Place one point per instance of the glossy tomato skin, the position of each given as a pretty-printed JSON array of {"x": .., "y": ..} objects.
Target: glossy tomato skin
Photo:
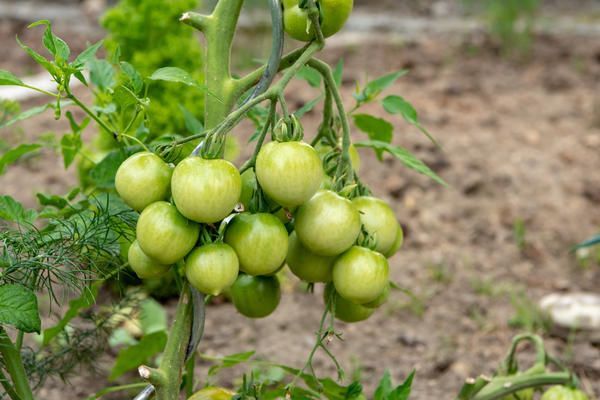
[
  {"x": 360, "y": 274},
  {"x": 379, "y": 220},
  {"x": 289, "y": 172},
  {"x": 260, "y": 241},
  {"x": 381, "y": 299},
  {"x": 308, "y": 266},
  {"x": 397, "y": 243},
  {"x": 335, "y": 13},
  {"x": 143, "y": 179},
  {"x": 213, "y": 393},
  {"x": 345, "y": 310},
  {"x": 327, "y": 224},
  {"x": 559, "y": 392},
  {"x": 212, "y": 268},
  {"x": 255, "y": 296},
  {"x": 143, "y": 266},
  {"x": 205, "y": 190},
  {"x": 164, "y": 234}
]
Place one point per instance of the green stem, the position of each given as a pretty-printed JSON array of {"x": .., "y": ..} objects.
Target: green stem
[
  {"x": 138, "y": 141},
  {"x": 113, "y": 389},
  {"x": 7, "y": 386},
  {"x": 189, "y": 372},
  {"x": 270, "y": 120},
  {"x": 88, "y": 111},
  {"x": 14, "y": 367},
  {"x": 500, "y": 387},
  {"x": 19, "y": 342},
  {"x": 42, "y": 91}
]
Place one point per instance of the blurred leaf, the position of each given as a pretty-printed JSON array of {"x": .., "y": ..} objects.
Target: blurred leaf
[
  {"x": 87, "y": 298},
  {"x": 6, "y": 78},
  {"x": 13, "y": 155},
  {"x": 153, "y": 317},
  {"x": 34, "y": 111},
  {"x": 337, "y": 73},
  {"x": 397, "y": 105},
  {"x": 191, "y": 122},
  {"x": 385, "y": 387},
  {"x": 403, "y": 155},
  {"x": 174, "y": 74},
  {"x": 310, "y": 75},
  {"x": 101, "y": 74},
  {"x": 19, "y": 308},
  {"x": 308, "y": 106},
  {"x": 587, "y": 243},
  {"x": 134, "y": 356},
  {"x": 40, "y": 59},
  {"x": 55, "y": 45},
  {"x": 376, "y": 86},
  {"x": 133, "y": 75},
  {"x": 403, "y": 391},
  {"x": 12, "y": 210},
  {"x": 86, "y": 55},
  {"x": 376, "y": 128}
]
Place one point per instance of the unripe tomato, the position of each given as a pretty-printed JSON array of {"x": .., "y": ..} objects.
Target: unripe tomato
[
  {"x": 164, "y": 234},
  {"x": 255, "y": 296},
  {"x": 381, "y": 299},
  {"x": 296, "y": 21},
  {"x": 308, "y": 266},
  {"x": 260, "y": 241},
  {"x": 205, "y": 190},
  {"x": 289, "y": 172},
  {"x": 379, "y": 220},
  {"x": 143, "y": 179},
  {"x": 360, "y": 274},
  {"x": 143, "y": 266},
  {"x": 397, "y": 243},
  {"x": 327, "y": 224},
  {"x": 213, "y": 393},
  {"x": 248, "y": 185},
  {"x": 212, "y": 268},
  {"x": 345, "y": 310},
  {"x": 563, "y": 393},
  {"x": 525, "y": 394}
]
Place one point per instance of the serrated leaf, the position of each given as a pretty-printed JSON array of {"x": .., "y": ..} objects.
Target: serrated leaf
[
  {"x": 87, "y": 299},
  {"x": 134, "y": 76},
  {"x": 86, "y": 55},
  {"x": 153, "y": 317},
  {"x": 376, "y": 128},
  {"x": 397, "y": 105},
  {"x": 337, "y": 73},
  {"x": 13, "y": 155},
  {"x": 6, "y": 78},
  {"x": 53, "y": 200},
  {"x": 51, "y": 68},
  {"x": 308, "y": 106},
  {"x": 19, "y": 308},
  {"x": 311, "y": 75},
  {"x": 191, "y": 122},
  {"x": 12, "y": 210},
  {"x": 404, "y": 156},
  {"x": 104, "y": 172},
  {"x": 403, "y": 391},
  {"x": 101, "y": 74},
  {"x": 134, "y": 356}
]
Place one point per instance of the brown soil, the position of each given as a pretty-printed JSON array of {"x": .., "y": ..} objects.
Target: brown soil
[{"x": 521, "y": 143}]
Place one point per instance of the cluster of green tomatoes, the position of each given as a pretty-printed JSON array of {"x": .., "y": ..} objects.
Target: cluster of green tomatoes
[{"x": 295, "y": 220}]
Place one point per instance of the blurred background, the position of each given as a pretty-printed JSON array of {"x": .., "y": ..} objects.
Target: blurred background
[{"x": 510, "y": 88}]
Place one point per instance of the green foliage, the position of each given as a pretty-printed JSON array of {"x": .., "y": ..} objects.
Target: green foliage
[
  {"x": 519, "y": 234},
  {"x": 528, "y": 315},
  {"x": 148, "y": 35},
  {"x": 18, "y": 308},
  {"x": 134, "y": 356}
]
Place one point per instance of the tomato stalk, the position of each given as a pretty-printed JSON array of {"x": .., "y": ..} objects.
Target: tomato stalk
[
  {"x": 268, "y": 123},
  {"x": 14, "y": 367}
]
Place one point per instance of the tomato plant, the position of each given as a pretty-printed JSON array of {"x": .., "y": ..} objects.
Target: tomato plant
[{"x": 226, "y": 227}]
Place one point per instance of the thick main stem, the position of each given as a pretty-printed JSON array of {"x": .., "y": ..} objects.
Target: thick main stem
[{"x": 14, "y": 367}]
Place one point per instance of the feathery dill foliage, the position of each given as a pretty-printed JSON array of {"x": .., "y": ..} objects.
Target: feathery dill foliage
[{"x": 77, "y": 246}]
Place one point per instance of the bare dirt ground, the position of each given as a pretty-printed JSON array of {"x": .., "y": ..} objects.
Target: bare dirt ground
[{"x": 521, "y": 143}]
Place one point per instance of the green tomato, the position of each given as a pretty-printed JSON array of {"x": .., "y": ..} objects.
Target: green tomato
[
  {"x": 143, "y": 266},
  {"x": 379, "y": 221},
  {"x": 308, "y": 266},
  {"x": 381, "y": 299},
  {"x": 212, "y": 268},
  {"x": 260, "y": 241},
  {"x": 525, "y": 394},
  {"x": 255, "y": 296},
  {"x": 248, "y": 185},
  {"x": 213, "y": 393},
  {"x": 397, "y": 243},
  {"x": 205, "y": 190},
  {"x": 345, "y": 310},
  {"x": 563, "y": 393},
  {"x": 164, "y": 234},
  {"x": 327, "y": 224},
  {"x": 289, "y": 172},
  {"x": 297, "y": 23},
  {"x": 143, "y": 179},
  {"x": 360, "y": 274}
]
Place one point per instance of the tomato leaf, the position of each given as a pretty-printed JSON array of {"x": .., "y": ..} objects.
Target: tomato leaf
[
  {"x": 55, "y": 45},
  {"x": 13, "y": 155},
  {"x": 86, "y": 55},
  {"x": 385, "y": 387},
  {"x": 337, "y": 72},
  {"x": 191, "y": 122},
  {"x": 376, "y": 86},
  {"x": 101, "y": 74},
  {"x": 12, "y": 210},
  {"x": 403, "y": 391},
  {"x": 19, "y": 308},
  {"x": 34, "y": 111},
  {"x": 153, "y": 317},
  {"x": 307, "y": 107},
  {"x": 403, "y": 155},
  {"x": 6, "y": 78},
  {"x": 87, "y": 298},
  {"x": 40, "y": 59},
  {"x": 134, "y": 356},
  {"x": 376, "y": 128},
  {"x": 397, "y": 105},
  {"x": 133, "y": 75},
  {"x": 310, "y": 75}
]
